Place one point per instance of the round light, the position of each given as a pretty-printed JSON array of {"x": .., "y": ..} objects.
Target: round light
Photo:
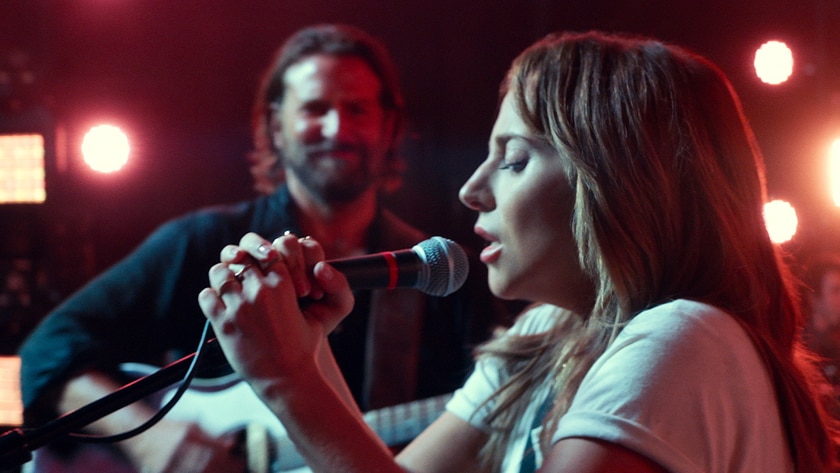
[
  {"x": 105, "y": 148},
  {"x": 773, "y": 62},
  {"x": 781, "y": 221}
]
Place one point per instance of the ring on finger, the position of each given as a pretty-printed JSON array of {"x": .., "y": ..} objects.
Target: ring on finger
[
  {"x": 240, "y": 275},
  {"x": 225, "y": 286}
]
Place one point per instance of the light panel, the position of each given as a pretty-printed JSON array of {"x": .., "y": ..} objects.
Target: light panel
[
  {"x": 22, "y": 169},
  {"x": 11, "y": 407}
]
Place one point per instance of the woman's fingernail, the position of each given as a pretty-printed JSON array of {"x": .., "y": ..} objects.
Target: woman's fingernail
[
  {"x": 303, "y": 288},
  {"x": 327, "y": 272}
]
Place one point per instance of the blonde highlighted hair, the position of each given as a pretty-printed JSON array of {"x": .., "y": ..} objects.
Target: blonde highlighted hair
[{"x": 670, "y": 189}]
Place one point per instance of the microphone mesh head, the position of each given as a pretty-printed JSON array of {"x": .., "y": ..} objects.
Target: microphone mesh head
[{"x": 447, "y": 266}]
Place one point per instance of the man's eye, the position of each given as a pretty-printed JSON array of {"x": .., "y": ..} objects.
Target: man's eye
[
  {"x": 314, "y": 109},
  {"x": 358, "y": 109}
]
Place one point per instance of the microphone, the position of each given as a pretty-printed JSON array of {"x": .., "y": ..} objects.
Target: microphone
[{"x": 437, "y": 266}]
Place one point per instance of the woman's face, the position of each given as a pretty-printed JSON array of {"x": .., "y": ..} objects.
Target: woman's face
[{"x": 525, "y": 204}]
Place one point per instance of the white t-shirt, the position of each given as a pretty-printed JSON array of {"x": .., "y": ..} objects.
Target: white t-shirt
[{"x": 682, "y": 385}]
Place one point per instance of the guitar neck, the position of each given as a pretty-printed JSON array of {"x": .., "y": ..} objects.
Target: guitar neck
[{"x": 397, "y": 425}]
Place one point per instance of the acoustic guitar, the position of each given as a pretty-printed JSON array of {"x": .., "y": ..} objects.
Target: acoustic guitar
[{"x": 228, "y": 405}]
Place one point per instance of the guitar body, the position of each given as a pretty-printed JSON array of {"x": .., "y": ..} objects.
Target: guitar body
[
  {"x": 228, "y": 404},
  {"x": 79, "y": 459}
]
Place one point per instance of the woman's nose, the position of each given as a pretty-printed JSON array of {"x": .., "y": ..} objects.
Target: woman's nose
[{"x": 475, "y": 193}]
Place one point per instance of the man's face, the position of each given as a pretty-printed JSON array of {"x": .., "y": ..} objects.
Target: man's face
[{"x": 333, "y": 131}]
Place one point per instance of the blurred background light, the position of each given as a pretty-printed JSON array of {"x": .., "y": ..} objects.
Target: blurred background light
[
  {"x": 773, "y": 62},
  {"x": 834, "y": 170},
  {"x": 781, "y": 221},
  {"x": 22, "y": 168},
  {"x": 105, "y": 148}
]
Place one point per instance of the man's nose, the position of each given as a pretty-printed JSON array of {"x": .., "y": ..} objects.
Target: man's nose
[{"x": 332, "y": 123}]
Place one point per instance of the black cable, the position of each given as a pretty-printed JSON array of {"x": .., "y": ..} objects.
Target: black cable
[{"x": 185, "y": 384}]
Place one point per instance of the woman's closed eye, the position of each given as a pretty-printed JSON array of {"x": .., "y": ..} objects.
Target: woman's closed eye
[{"x": 515, "y": 164}]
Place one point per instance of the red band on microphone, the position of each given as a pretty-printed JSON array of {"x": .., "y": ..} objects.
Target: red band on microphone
[{"x": 393, "y": 270}]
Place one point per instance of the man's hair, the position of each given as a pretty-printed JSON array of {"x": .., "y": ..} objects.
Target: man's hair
[{"x": 334, "y": 40}]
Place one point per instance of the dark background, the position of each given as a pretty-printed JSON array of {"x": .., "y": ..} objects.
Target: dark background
[{"x": 179, "y": 76}]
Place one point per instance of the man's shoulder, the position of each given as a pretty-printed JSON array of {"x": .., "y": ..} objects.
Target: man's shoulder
[
  {"x": 214, "y": 216},
  {"x": 225, "y": 222}
]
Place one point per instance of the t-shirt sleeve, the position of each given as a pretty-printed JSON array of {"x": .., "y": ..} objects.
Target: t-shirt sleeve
[
  {"x": 468, "y": 402},
  {"x": 675, "y": 386}
]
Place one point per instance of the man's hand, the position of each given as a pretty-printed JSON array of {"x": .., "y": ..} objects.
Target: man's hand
[{"x": 183, "y": 447}]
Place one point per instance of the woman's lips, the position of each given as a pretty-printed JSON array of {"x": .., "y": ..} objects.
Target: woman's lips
[{"x": 491, "y": 253}]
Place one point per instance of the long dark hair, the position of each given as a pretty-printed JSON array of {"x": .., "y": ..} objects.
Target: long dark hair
[{"x": 670, "y": 190}]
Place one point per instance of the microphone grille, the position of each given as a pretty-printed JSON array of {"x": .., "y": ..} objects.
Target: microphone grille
[{"x": 447, "y": 266}]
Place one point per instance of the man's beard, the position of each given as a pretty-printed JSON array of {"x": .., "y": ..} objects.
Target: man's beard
[{"x": 328, "y": 178}]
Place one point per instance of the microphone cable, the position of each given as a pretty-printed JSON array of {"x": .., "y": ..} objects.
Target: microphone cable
[{"x": 185, "y": 384}]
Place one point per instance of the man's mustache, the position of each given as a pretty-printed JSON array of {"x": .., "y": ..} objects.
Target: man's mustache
[{"x": 334, "y": 148}]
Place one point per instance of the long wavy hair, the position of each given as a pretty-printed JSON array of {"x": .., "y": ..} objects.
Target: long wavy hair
[
  {"x": 670, "y": 189},
  {"x": 335, "y": 40}
]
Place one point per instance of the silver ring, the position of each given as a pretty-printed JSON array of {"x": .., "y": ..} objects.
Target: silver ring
[
  {"x": 224, "y": 286},
  {"x": 240, "y": 275}
]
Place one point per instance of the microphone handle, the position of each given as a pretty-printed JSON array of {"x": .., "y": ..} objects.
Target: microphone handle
[{"x": 386, "y": 270}]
